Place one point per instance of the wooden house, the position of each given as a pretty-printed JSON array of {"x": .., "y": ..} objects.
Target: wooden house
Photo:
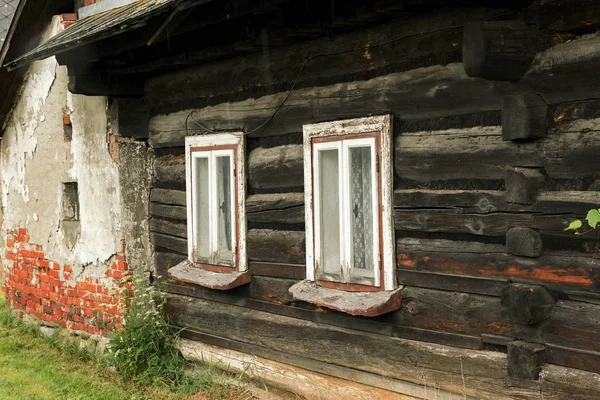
[{"x": 364, "y": 199}]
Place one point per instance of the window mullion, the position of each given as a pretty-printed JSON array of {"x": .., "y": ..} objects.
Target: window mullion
[
  {"x": 194, "y": 203},
  {"x": 375, "y": 210},
  {"x": 346, "y": 209},
  {"x": 212, "y": 170}
]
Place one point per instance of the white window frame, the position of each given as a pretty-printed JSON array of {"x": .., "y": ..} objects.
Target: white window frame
[
  {"x": 383, "y": 212},
  {"x": 238, "y": 195}
]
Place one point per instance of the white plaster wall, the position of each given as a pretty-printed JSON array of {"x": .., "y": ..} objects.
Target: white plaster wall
[{"x": 36, "y": 159}]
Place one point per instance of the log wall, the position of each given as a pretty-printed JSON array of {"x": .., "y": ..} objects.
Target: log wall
[{"x": 455, "y": 201}]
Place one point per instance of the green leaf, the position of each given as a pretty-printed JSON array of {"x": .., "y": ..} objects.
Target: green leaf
[
  {"x": 593, "y": 218},
  {"x": 573, "y": 226}
]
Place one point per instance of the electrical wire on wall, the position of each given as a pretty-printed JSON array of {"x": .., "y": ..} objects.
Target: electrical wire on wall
[{"x": 309, "y": 59}]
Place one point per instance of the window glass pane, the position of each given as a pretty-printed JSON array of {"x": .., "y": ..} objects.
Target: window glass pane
[
  {"x": 224, "y": 209},
  {"x": 201, "y": 206},
  {"x": 329, "y": 211},
  {"x": 361, "y": 210}
]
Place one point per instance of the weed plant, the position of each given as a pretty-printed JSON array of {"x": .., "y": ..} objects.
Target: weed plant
[{"x": 145, "y": 349}]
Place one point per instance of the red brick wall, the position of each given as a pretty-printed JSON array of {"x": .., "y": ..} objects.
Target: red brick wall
[{"x": 48, "y": 290}]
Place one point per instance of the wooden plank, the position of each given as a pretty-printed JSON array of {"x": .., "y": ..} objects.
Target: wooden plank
[
  {"x": 450, "y": 92},
  {"x": 241, "y": 358},
  {"x": 168, "y": 227},
  {"x": 457, "y": 283},
  {"x": 168, "y": 211},
  {"x": 176, "y": 244},
  {"x": 168, "y": 196},
  {"x": 279, "y": 208},
  {"x": 439, "y": 366},
  {"x": 559, "y": 270},
  {"x": 278, "y": 270},
  {"x": 269, "y": 245}
]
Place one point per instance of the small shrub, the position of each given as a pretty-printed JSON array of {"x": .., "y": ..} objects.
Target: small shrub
[{"x": 145, "y": 350}]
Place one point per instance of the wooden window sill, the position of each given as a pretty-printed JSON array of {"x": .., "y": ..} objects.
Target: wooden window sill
[
  {"x": 365, "y": 304},
  {"x": 186, "y": 272}
]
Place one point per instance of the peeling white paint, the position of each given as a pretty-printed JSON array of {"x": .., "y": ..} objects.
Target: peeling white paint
[{"x": 36, "y": 160}]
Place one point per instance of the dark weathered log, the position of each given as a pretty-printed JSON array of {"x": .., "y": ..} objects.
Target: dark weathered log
[
  {"x": 329, "y": 370},
  {"x": 526, "y": 304},
  {"x": 523, "y": 184},
  {"x": 168, "y": 227},
  {"x": 280, "y": 208},
  {"x": 450, "y": 92},
  {"x": 276, "y": 246},
  {"x": 493, "y": 224},
  {"x": 569, "y": 383},
  {"x": 524, "y": 242},
  {"x": 101, "y": 84},
  {"x": 555, "y": 269},
  {"x": 499, "y": 50},
  {"x": 498, "y": 340},
  {"x": 379, "y": 325},
  {"x": 580, "y": 359},
  {"x": 372, "y": 353},
  {"x": 176, "y": 244},
  {"x": 490, "y": 201},
  {"x": 566, "y": 71},
  {"x": 287, "y": 161},
  {"x": 164, "y": 260},
  {"x": 243, "y": 77},
  {"x": 169, "y": 172},
  {"x": 570, "y": 324},
  {"x": 566, "y": 15},
  {"x": 129, "y": 117},
  {"x": 523, "y": 116},
  {"x": 447, "y": 311},
  {"x": 525, "y": 360},
  {"x": 457, "y": 283},
  {"x": 480, "y": 153},
  {"x": 168, "y": 211},
  {"x": 167, "y": 196},
  {"x": 274, "y": 290},
  {"x": 290, "y": 271}
]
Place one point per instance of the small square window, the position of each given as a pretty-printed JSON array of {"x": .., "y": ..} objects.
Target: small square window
[{"x": 348, "y": 190}]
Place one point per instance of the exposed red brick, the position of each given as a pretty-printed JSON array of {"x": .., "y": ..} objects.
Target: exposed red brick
[{"x": 46, "y": 289}]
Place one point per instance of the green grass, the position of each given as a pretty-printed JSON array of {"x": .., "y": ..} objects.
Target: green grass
[{"x": 33, "y": 366}]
